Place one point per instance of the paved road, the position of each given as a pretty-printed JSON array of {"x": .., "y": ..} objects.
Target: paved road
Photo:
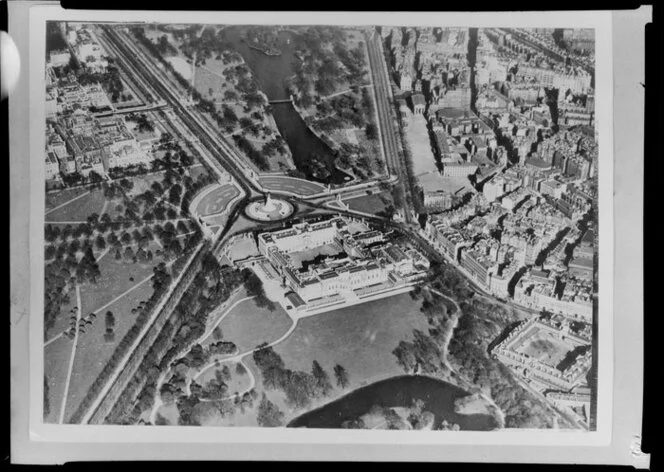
[{"x": 386, "y": 122}]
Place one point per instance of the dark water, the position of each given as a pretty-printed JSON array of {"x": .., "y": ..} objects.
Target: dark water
[
  {"x": 438, "y": 397},
  {"x": 272, "y": 74}
]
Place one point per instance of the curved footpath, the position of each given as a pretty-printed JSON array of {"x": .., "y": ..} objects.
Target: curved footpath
[{"x": 156, "y": 404}]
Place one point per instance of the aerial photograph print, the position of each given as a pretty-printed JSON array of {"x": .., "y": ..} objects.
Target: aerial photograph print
[{"x": 292, "y": 226}]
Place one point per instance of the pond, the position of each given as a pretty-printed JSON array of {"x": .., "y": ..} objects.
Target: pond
[
  {"x": 272, "y": 74},
  {"x": 438, "y": 397}
]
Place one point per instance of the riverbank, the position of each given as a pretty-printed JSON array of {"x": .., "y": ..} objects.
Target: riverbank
[
  {"x": 473, "y": 404},
  {"x": 401, "y": 394}
]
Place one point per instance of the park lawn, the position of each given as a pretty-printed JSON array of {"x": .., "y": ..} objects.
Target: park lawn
[
  {"x": 369, "y": 203},
  {"x": 361, "y": 338},
  {"x": 197, "y": 170},
  {"x": 248, "y": 325},
  {"x": 53, "y": 199},
  {"x": 56, "y": 362},
  {"x": 115, "y": 279},
  {"x": 80, "y": 209},
  {"x": 206, "y": 81},
  {"x": 215, "y": 201},
  {"x": 92, "y": 352}
]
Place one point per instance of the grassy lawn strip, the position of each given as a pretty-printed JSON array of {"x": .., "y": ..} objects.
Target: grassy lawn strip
[
  {"x": 57, "y": 198},
  {"x": 80, "y": 209},
  {"x": 249, "y": 325},
  {"x": 370, "y": 203},
  {"x": 56, "y": 357},
  {"x": 93, "y": 352},
  {"x": 115, "y": 279}
]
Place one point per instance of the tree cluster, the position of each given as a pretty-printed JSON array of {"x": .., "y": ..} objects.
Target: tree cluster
[
  {"x": 256, "y": 156},
  {"x": 300, "y": 387},
  {"x": 254, "y": 287}
]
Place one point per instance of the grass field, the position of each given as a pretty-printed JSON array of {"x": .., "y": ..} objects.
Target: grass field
[
  {"x": 249, "y": 325},
  {"x": 92, "y": 352},
  {"x": 217, "y": 200},
  {"x": 369, "y": 203},
  {"x": 207, "y": 80},
  {"x": 55, "y": 199},
  {"x": 361, "y": 338},
  {"x": 197, "y": 170},
  {"x": 56, "y": 361},
  {"x": 79, "y": 209},
  {"x": 115, "y": 279}
]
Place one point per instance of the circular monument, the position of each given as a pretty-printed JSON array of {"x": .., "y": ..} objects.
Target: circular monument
[{"x": 269, "y": 209}]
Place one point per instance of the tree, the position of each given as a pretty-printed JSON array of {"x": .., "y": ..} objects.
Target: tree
[
  {"x": 100, "y": 242},
  {"x": 341, "y": 375},
  {"x": 125, "y": 238},
  {"x": 371, "y": 131},
  {"x": 141, "y": 255},
  {"x": 109, "y": 320},
  {"x": 226, "y": 373},
  {"x": 49, "y": 252},
  {"x": 174, "y": 194},
  {"x": 158, "y": 189},
  {"x": 129, "y": 254},
  {"x": 415, "y": 416},
  {"x": 171, "y": 213},
  {"x": 269, "y": 414},
  {"x": 322, "y": 380}
]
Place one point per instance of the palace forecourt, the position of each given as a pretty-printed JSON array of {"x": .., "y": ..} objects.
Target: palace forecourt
[{"x": 319, "y": 266}]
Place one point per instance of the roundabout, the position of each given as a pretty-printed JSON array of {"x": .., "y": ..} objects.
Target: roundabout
[{"x": 269, "y": 209}]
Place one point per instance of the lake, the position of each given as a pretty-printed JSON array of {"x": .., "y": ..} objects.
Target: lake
[
  {"x": 272, "y": 74},
  {"x": 438, "y": 397}
]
